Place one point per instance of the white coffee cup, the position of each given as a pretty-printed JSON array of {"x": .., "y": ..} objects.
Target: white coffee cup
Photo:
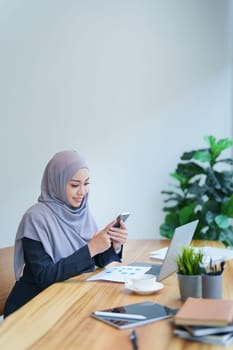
[{"x": 142, "y": 282}]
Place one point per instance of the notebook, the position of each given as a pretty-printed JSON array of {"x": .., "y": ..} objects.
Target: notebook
[
  {"x": 220, "y": 339},
  {"x": 201, "y": 311},
  {"x": 182, "y": 237},
  {"x": 207, "y": 330},
  {"x": 128, "y": 316}
]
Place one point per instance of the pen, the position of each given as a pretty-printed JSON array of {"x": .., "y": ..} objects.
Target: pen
[
  {"x": 119, "y": 315},
  {"x": 216, "y": 269},
  {"x": 133, "y": 338}
]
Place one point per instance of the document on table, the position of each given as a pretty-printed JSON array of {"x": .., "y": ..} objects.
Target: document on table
[
  {"x": 216, "y": 254},
  {"x": 119, "y": 273},
  {"x": 159, "y": 254}
]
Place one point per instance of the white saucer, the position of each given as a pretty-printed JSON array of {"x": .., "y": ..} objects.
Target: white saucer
[{"x": 156, "y": 287}]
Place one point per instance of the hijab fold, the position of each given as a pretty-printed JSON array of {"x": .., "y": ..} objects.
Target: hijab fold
[{"x": 60, "y": 228}]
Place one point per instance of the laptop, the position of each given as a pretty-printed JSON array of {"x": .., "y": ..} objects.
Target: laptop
[{"x": 182, "y": 237}]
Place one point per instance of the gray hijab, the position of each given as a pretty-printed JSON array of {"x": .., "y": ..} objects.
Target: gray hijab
[{"x": 61, "y": 229}]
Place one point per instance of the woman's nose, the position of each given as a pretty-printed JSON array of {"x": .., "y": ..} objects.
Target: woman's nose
[{"x": 81, "y": 190}]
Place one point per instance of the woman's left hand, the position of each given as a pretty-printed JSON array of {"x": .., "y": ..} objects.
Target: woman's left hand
[{"x": 118, "y": 235}]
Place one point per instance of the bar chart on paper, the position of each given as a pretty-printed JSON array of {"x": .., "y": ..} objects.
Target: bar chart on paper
[{"x": 119, "y": 273}]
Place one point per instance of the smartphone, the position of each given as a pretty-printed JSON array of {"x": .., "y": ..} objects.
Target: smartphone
[{"x": 123, "y": 217}]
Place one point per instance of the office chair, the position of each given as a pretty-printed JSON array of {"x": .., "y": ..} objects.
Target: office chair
[{"x": 7, "y": 277}]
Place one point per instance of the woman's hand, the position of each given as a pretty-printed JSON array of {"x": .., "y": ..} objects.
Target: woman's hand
[
  {"x": 118, "y": 235},
  {"x": 101, "y": 241}
]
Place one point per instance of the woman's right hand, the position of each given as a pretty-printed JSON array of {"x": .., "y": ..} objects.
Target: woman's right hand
[{"x": 101, "y": 241}]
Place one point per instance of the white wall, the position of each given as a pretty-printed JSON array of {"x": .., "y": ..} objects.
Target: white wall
[{"x": 129, "y": 83}]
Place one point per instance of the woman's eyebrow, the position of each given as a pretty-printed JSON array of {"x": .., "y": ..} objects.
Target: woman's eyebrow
[{"x": 76, "y": 180}]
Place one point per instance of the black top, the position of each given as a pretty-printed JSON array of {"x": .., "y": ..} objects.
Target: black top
[{"x": 40, "y": 271}]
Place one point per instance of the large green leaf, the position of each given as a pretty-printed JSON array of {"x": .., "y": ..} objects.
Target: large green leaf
[
  {"x": 218, "y": 146},
  {"x": 222, "y": 221},
  {"x": 190, "y": 155},
  {"x": 168, "y": 227},
  {"x": 189, "y": 170},
  {"x": 187, "y": 155},
  {"x": 227, "y": 207},
  {"x": 186, "y": 214},
  {"x": 166, "y": 231},
  {"x": 212, "y": 206},
  {"x": 226, "y": 236},
  {"x": 202, "y": 156},
  {"x": 180, "y": 178},
  {"x": 172, "y": 219}
]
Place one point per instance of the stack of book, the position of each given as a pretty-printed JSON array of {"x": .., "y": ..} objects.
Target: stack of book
[{"x": 205, "y": 321}]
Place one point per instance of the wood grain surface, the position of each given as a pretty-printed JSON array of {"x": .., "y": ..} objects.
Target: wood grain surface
[{"x": 59, "y": 318}]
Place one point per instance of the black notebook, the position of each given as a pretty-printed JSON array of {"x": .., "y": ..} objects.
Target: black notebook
[{"x": 132, "y": 315}]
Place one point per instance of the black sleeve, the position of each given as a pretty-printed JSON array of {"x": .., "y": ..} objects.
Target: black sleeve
[
  {"x": 107, "y": 257},
  {"x": 46, "y": 272}
]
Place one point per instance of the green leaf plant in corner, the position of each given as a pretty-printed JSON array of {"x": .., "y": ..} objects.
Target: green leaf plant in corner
[{"x": 203, "y": 191}]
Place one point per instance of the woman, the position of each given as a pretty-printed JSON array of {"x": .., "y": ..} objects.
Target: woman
[{"x": 57, "y": 237}]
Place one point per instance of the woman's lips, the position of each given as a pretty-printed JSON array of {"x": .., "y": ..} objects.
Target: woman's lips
[{"x": 78, "y": 200}]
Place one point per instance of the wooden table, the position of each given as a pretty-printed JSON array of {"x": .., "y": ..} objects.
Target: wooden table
[{"x": 59, "y": 318}]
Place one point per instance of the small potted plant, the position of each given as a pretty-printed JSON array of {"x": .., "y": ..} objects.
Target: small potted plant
[{"x": 189, "y": 270}]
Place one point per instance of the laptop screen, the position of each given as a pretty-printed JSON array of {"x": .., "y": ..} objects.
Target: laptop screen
[{"x": 182, "y": 237}]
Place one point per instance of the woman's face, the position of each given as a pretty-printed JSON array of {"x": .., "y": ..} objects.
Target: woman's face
[{"x": 77, "y": 187}]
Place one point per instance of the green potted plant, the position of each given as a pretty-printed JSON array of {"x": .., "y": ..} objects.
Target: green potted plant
[
  {"x": 189, "y": 270},
  {"x": 203, "y": 191}
]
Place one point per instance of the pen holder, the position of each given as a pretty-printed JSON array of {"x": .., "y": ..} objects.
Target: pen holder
[{"x": 212, "y": 286}]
